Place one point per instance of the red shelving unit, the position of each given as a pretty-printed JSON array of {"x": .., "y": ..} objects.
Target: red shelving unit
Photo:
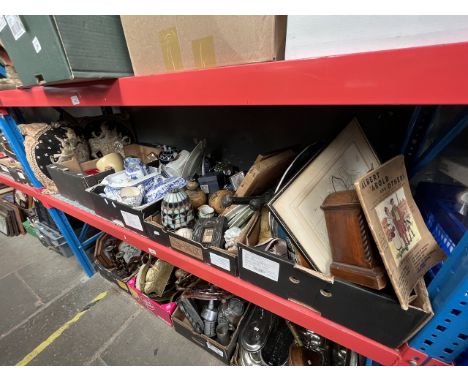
[
  {"x": 288, "y": 309},
  {"x": 423, "y": 75},
  {"x": 413, "y": 76}
]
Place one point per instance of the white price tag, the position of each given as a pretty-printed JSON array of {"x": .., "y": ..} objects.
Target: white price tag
[
  {"x": 260, "y": 265},
  {"x": 220, "y": 261},
  {"x": 21, "y": 175},
  {"x": 132, "y": 220},
  {"x": 16, "y": 26},
  {"x": 36, "y": 44},
  {"x": 214, "y": 348},
  {"x": 152, "y": 251},
  {"x": 75, "y": 100},
  {"x": 3, "y": 168},
  {"x": 3, "y": 23}
]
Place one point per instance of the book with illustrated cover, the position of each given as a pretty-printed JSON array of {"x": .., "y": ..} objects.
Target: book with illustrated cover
[{"x": 407, "y": 247}]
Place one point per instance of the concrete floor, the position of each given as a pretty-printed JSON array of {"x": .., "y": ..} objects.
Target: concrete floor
[{"x": 40, "y": 291}]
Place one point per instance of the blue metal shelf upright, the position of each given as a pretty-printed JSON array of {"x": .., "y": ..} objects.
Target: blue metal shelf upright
[{"x": 16, "y": 141}]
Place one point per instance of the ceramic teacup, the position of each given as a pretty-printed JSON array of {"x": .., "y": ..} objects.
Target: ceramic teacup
[
  {"x": 131, "y": 196},
  {"x": 205, "y": 211}
]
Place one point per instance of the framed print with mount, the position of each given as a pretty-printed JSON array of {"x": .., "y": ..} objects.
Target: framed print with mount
[{"x": 297, "y": 204}]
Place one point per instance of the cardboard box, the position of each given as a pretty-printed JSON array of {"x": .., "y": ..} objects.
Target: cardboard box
[
  {"x": 224, "y": 353},
  {"x": 163, "y": 311},
  {"x": 112, "y": 277},
  {"x": 319, "y": 36},
  {"x": 216, "y": 257},
  {"x": 170, "y": 43},
  {"x": 13, "y": 168},
  {"x": 130, "y": 217},
  {"x": 72, "y": 181},
  {"x": 156, "y": 231},
  {"x": 376, "y": 315},
  {"x": 51, "y": 49},
  {"x": 221, "y": 259}
]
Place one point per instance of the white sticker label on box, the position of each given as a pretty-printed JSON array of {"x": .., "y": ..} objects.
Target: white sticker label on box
[
  {"x": 16, "y": 26},
  {"x": 36, "y": 44},
  {"x": 215, "y": 349},
  {"x": 260, "y": 265},
  {"x": 75, "y": 100},
  {"x": 220, "y": 261},
  {"x": 132, "y": 220},
  {"x": 3, "y": 168},
  {"x": 156, "y": 233},
  {"x": 21, "y": 175},
  {"x": 3, "y": 23}
]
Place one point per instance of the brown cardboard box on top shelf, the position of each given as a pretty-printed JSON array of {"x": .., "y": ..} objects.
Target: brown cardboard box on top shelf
[{"x": 160, "y": 44}]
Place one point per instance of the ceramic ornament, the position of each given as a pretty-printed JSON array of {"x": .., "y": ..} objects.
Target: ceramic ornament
[
  {"x": 135, "y": 168},
  {"x": 176, "y": 210},
  {"x": 107, "y": 141}
]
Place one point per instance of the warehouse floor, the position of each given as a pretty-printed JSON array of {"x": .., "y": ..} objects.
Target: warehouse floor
[{"x": 41, "y": 297}]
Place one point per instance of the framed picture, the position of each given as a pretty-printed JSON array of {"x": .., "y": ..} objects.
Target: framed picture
[{"x": 297, "y": 204}]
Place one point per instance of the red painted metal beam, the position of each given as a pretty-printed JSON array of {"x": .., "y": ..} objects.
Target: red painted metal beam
[
  {"x": 290, "y": 310},
  {"x": 423, "y": 75},
  {"x": 27, "y": 189}
]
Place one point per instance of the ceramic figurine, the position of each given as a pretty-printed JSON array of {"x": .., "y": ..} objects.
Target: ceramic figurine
[
  {"x": 176, "y": 209},
  {"x": 107, "y": 141},
  {"x": 196, "y": 194}
]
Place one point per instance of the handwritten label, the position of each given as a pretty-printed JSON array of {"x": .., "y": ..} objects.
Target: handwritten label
[
  {"x": 220, "y": 261},
  {"x": 16, "y": 26},
  {"x": 36, "y": 44},
  {"x": 214, "y": 348},
  {"x": 260, "y": 265},
  {"x": 132, "y": 220}
]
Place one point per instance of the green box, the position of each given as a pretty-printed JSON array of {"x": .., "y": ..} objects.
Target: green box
[{"x": 54, "y": 49}]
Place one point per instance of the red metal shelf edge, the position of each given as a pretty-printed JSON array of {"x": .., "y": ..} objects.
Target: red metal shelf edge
[
  {"x": 422, "y": 75},
  {"x": 290, "y": 310}
]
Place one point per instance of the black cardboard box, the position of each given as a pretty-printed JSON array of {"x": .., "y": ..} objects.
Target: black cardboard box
[
  {"x": 112, "y": 277},
  {"x": 72, "y": 181},
  {"x": 224, "y": 353},
  {"x": 155, "y": 230},
  {"x": 13, "y": 168},
  {"x": 187, "y": 246},
  {"x": 221, "y": 259},
  {"x": 19, "y": 175},
  {"x": 131, "y": 217},
  {"x": 373, "y": 314}
]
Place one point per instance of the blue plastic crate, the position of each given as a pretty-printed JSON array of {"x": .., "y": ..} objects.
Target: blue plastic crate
[
  {"x": 439, "y": 204},
  {"x": 445, "y": 336}
]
